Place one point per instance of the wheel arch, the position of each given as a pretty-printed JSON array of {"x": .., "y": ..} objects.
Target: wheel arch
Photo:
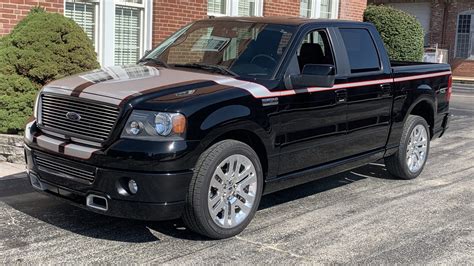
[
  {"x": 424, "y": 107},
  {"x": 250, "y": 138}
]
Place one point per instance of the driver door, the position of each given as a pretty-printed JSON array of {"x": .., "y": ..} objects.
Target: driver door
[{"x": 313, "y": 123}]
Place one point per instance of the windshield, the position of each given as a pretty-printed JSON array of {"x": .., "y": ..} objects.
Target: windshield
[{"x": 245, "y": 48}]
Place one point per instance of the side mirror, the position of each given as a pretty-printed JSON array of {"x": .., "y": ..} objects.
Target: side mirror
[{"x": 314, "y": 75}]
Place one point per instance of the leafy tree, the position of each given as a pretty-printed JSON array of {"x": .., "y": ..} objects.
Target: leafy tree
[
  {"x": 41, "y": 48},
  {"x": 400, "y": 31}
]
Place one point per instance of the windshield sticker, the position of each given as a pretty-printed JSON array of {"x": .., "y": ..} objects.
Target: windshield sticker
[{"x": 210, "y": 44}]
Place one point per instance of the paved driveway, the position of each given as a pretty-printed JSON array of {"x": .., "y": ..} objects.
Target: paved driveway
[{"x": 360, "y": 216}]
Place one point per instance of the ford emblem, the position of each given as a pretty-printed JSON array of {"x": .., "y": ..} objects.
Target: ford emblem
[{"x": 73, "y": 116}]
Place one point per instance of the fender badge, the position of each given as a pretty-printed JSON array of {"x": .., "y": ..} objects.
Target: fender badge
[{"x": 270, "y": 101}]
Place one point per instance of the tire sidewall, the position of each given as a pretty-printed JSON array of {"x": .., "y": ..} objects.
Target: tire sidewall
[
  {"x": 417, "y": 120},
  {"x": 236, "y": 148}
]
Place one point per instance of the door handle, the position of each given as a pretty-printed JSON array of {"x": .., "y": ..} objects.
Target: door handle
[
  {"x": 341, "y": 95},
  {"x": 386, "y": 89}
]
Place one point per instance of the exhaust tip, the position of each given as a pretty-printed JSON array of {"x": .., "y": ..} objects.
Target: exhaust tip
[{"x": 97, "y": 202}]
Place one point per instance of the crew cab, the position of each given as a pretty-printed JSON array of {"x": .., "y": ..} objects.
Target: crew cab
[{"x": 228, "y": 109}]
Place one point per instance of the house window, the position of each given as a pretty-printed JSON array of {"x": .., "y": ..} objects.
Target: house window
[
  {"x": 119, "y": 29},
  {"x": 85, "y": 14},
  {"x": 319, "y": 8},
  {"x": 465, "y": 35},
  {"x": 128, "y": 25},
  {"x": 217, "y": 7},
  {"x": 234, "y": 8}
]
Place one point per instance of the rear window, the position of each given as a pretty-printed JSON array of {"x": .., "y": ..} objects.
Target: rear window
[{"x": 361, "y": 50}]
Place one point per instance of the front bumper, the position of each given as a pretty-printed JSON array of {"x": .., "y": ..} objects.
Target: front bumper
[{"x": 160, "y": 195}]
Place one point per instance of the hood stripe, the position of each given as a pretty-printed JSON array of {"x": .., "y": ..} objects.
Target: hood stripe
[{"x": 77, "y": 90}]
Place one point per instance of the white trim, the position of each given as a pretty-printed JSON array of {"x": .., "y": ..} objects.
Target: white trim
[{"x": 105, "y": 27}]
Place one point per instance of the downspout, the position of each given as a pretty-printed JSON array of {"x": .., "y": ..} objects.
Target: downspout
[{"x": 445, "y": 23}]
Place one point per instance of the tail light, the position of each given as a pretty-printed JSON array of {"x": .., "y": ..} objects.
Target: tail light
[{"x": 450, "y": 88}]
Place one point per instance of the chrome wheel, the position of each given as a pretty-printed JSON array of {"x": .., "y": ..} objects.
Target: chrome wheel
[
  {"x": 232, "y": 191},
  {"x": 416, "y": 148}
]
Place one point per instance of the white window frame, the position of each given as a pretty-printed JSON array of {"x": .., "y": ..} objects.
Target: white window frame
[
  {"x": 105, "y": 27},
  {"x": 232, "y": 9},
  {"x": 96, "y": 19},
  {"x": 471, "y": 33},
  {"x": 316, "y": 9}
]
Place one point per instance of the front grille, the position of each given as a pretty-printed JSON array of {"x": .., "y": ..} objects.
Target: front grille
[
  {"x": 96, "y": 119},
  {"x": 65, "y": 168}
]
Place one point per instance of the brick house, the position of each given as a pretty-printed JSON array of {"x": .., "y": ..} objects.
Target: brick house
[
  {"x": 448, "y": 24},
  {"x": 122, "y": 30}
]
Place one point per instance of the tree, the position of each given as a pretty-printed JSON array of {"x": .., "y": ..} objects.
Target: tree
[
  {"x": 41, "y": 48},
  {"x": 400, "y": 31}
]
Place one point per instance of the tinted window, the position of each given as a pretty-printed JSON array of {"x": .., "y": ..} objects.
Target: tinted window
[
  {"x": 361, "y": 50},
  {"x": 315, "y": 49}
]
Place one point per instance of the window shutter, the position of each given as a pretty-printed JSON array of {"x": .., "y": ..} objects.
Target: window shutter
[
  {"x": 127, "y": 34},
  {"x": 84, "y": 15}
]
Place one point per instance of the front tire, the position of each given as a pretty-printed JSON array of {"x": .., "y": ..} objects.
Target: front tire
[
  {"x": 225, "y": 190},
  {"x": 408, "y": 162}
]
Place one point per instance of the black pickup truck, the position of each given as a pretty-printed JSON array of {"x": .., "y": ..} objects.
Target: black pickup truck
[{"x": 228, "y": 109}]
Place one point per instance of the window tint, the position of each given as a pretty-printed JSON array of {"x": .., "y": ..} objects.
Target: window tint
[
  {"x": 315, "y": 49},
  {"x": 361, "y": 50}
]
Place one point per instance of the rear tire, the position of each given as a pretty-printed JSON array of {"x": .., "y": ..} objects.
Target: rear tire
[
  {"x": 222, "y": 198},
  {"x": 408, "y": 162}
]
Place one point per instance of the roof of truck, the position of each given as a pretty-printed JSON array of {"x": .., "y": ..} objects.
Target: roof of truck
[{"x": 296, "y": 21}]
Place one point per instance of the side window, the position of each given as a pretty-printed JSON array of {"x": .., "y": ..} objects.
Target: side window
[
  {"x": 315, "y": 49},
  {"x": 361, "y": 50}
]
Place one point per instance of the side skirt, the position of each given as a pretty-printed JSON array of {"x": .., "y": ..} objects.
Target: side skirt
[{"x": 321, "y": 171}]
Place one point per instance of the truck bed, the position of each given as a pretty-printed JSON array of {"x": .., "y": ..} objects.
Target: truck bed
[{"x": 405, "y": 68}]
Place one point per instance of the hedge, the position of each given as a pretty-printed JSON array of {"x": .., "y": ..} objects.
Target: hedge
[
  {"x": 401, "y": 32},
  {"x": 41, "y": 48}
]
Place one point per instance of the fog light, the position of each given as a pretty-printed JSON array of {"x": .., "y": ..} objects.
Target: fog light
[{"x": 132, "y": 186}]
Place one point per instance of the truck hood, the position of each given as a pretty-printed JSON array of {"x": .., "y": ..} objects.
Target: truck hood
[{"x": 117, "y": 84}]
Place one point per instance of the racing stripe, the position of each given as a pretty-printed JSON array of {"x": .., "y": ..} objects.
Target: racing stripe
[
  {"x": 77, "y": 91},
  {"x": 79, "y": 151}
]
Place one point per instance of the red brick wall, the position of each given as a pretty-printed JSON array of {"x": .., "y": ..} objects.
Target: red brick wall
[
  {"x": 12, "y": 11},
  {"x": 444, "y": 34},
  {"x": 169, "y": 15},
  {"x": 352, "y": 9},
  {"x": 281, "y": 7}
]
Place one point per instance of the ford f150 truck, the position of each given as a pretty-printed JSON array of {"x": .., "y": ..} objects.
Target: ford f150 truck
[{"x": 228, "y": 109}]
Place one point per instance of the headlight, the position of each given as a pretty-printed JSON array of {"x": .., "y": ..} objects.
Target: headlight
[{"x": 155, "y": 125}]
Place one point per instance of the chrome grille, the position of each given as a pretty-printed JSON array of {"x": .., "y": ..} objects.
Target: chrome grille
[
  {"x": 64, "y": 168},
  {"x": 96, "y": 119}
]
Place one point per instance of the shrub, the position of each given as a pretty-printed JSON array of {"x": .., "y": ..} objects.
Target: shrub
[
  {"x": 16, "y": 102},
  {"x": 42, "y": 47},
  {"x": 400, "y": 31}
]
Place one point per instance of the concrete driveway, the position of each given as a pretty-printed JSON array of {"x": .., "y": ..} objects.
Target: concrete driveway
[{"x": 362, "y": 216}]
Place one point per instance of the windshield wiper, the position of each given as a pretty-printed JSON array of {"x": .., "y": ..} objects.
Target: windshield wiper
[
  {"x": 213, "y": 68},
  {"x": 155, "y": 61}
]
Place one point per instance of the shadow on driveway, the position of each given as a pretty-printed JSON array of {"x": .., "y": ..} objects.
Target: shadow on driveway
[{"x": 18, "y": 194}]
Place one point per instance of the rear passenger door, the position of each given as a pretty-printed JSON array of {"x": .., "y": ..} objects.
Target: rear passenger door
[{"x": 369, "y": 91}]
